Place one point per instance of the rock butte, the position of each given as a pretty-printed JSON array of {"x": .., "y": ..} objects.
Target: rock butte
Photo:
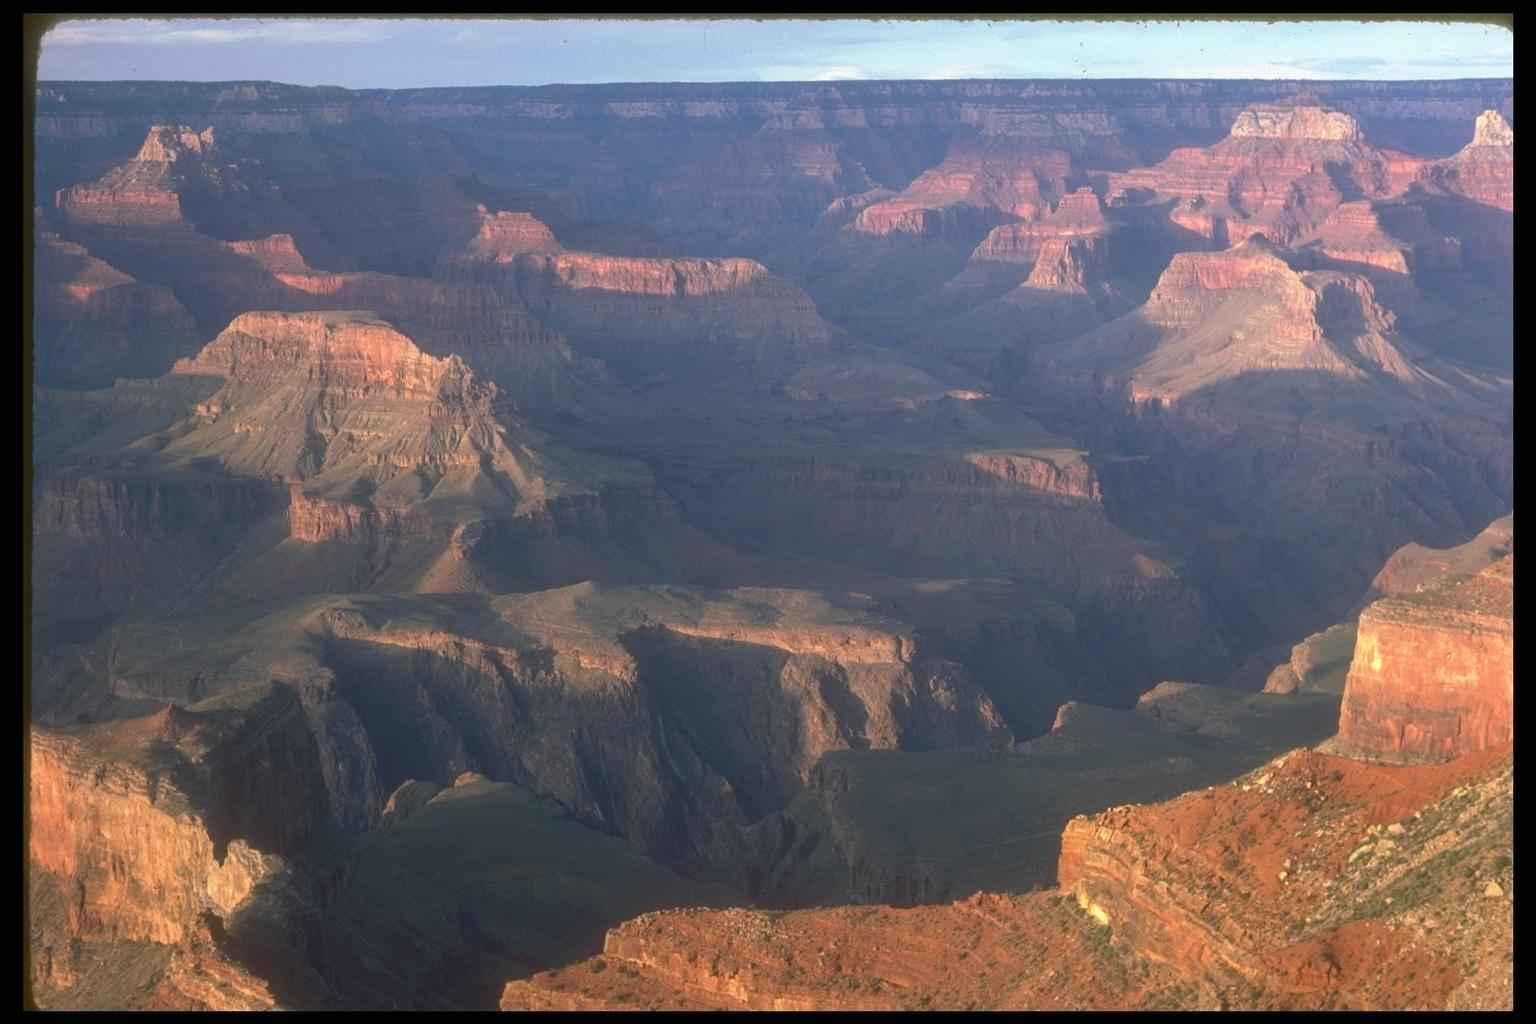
[{"x": 471, "y": 524}]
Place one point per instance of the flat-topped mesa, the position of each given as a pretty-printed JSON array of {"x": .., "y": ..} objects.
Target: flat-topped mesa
[
  {"x": 636, "y": 275},
  {"x": 348, "y": 404},
  {"x": 506, "y": 234},
  {"x": 1300, "y": 122},
  {"x": 1078, "y": 215},
  {"x": 167, "y": 143},
  {"x": 846, "y": 645},
  {"x": 1433, "y": 673},
  {"x": 344, "y": 352},
  {"x": 625, "y": 310},
  {"x": 1195, "y": 280},
  {"x": 275, "y": 253},
  {"x": 973, "y": 189}
]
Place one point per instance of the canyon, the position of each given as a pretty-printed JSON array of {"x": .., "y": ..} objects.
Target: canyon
[{"x": 864, "y": 545}]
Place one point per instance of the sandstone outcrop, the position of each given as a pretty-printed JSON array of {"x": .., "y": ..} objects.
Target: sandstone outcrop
[
  {"x": 978, "y": 185},
  {"x": 1319, "y": 664},
  {"x": 343, "y": 402},
  {"x": 636, "y": 313},
  {"x": 1433, "y": 671},
  {"x": 1280, "y": 170},
  {"x": 1484, "y": 169},
  {"x": 1217, "y": 316},
  {"x": 146, "y": 825},
  {"x": 146, "y": 190},
  {"x": 1298, "y": 920},
  {"x": 1414, "y": 567},
  {"x": 505, "y": 234}
]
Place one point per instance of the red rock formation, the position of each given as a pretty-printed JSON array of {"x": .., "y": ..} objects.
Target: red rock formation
[
  {"x": 504, "y": 235},
  {"x": 977, "y": 185},
  {"x": 1254, "y": 885},
  {"x": 1069, "y": 266},
  {"x": 991, "y": 951},
  {"x": 1414, "y": 567},
  {"x": 317, "y": 521},
  {"x": 343, "y": 401},
  {"x": 1433, "y": 672},
  {"x": 1357, "y": 233},
  {"x": 1216, "y": 316},
  {"x": 1241, "y": 896},
  {"x": 1484, "y": 170},
  {"x": 1279, "y": 172},
  {"x": 1078, "y": 215},
  {"x": 628, "y": 311},
  {"x": 132, "y": 819},
  {"x": 144, "y": 191},
  {"x": 275, "y": 253},
  {"x": 1076, "y": 479}
]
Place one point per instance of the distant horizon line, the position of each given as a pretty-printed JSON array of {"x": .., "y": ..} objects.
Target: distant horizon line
[{"x": 748, "y": 82}]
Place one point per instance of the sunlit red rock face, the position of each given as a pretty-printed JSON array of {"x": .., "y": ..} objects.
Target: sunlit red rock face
[
  {"x": 491, "y": 329},
  {"x": 1262, "y": 885},
  {"x": 1279, "y": 172},
  {"x": 1253, "y": 895},
  {"x": 1433, "y": 673},
  {"x": 1079, "y": 214},
  {"x": 1216, "y": 316},
  {"x": 637, "y": 314},
  {"x": 1484, "y": 170},
  {"x": 343, "y": 401},
  {"x": 144, "y": 191},
  {"x": 505, "y": 234},
  {"x": 151, "y": 827},
  {"x": 978, "y": 184}
]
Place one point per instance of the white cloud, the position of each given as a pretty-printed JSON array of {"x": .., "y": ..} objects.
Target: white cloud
[
  {"x": 139, "y": 32},
  {"x": 839, "y": 74}
]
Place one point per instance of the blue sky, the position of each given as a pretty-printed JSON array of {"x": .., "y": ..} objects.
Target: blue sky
[{"x": 387, "y": 53}]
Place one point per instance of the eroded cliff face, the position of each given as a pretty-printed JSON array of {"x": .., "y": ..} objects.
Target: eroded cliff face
[
  {"x": 641, "y": 315},
  {"x": 1297, "y": 920},
  {"x": 1265, "y": 884},
  {"x": 979, "y": 184},
  {"x": 1484, "y": 169},
  {"x": 1433, "y": 672},
  {"x": 348, "y": 404},
  {"x": 1036, "y": 951},
  {"x": 1278, "y": 172},
  {"x": 146, "y": 826},
  {"x": 104, "y": 543},
  {"x": 670, "y": 731},
  {"x": 1415, "y": 567}
]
